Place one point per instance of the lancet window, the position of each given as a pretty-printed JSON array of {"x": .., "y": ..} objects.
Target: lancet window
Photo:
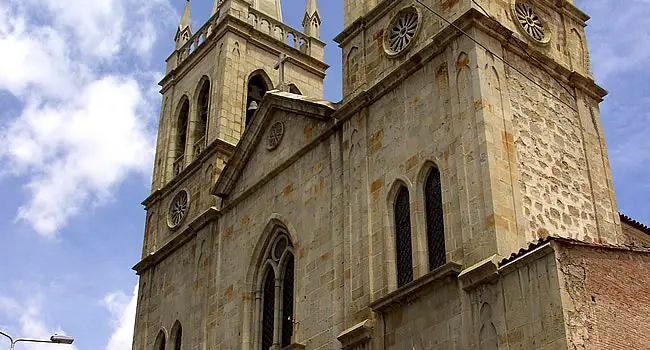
[
  {"x": 434, "y": 219},
  {"x": 181, "y": 137},
  {"x": 276, "y": 292},
  {"x": 161, "y": 342},
  {"x": 403, "y": 248},
  {"x": 177, "y": 333},
  {"x": 202, "y": 120}
]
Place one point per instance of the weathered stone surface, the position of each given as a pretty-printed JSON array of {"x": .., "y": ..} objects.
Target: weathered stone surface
[{"x": 521, "y": 154}]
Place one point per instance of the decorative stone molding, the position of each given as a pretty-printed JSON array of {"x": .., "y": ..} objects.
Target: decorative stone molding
[
  {"x": 530, "y": 23},
  {"x": 402, "y": 30},
  {"x": 358, "y": 336}
]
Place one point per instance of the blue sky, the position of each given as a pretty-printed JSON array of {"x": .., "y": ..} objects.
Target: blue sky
[{"x": 78, "y": 87}]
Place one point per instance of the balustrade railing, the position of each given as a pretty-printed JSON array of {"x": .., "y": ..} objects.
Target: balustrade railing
[
  {"x": 260, "y": 22},
  {"x": 278, "y": 30}
]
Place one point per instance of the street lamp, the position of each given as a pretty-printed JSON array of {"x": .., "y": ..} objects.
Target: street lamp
[{"x": 55, "y": 339}]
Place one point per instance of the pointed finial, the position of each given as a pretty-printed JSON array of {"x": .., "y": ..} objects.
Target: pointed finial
[
  {"x": 312, "y": 8},
  {"x": 186, "y": 19},
  {"x": 311, "y": 21},
  {"x": 184, "y": 32}
]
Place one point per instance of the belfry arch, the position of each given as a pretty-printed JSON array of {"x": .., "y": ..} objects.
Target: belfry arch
[{"x": 257, "y": 86}]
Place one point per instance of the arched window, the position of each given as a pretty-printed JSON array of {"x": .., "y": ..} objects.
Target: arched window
[
  {"x": 268, "y": 310},
  {"x": 403, "y": 249},
  {"x": 177, "y": 334},
  {"x": 287, "y": 302},
  {"x": 277, "y": 293},
  {"x": 434, "y": 220},
  {"x": 202, "y": 120},
  {"x": 257, "y": 88},
  {"x": 161, "y": 342},
  {"x": 181, "y": 136}
]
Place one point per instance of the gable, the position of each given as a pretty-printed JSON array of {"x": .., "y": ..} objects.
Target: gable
[{"x": 295, "y": 121}]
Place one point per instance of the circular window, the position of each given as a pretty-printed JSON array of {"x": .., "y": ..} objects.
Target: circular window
[
  {"x": 530, "y": 23},
  {"x": 178, "y": 208},
  {"x": 402, "y": 30},
  {"x": 280, "y": 246}
]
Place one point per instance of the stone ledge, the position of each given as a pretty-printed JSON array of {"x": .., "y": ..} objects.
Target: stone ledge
[
  {"x": 412, "y": 289},
  {"x": 294, "y": 346},
  {"x": 181, "y": 238},
  {"x": 480, "y": 273},
  {"x": 357, "y": 334}
]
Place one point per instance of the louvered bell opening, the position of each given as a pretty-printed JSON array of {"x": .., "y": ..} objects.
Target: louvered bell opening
[
  {"x": 268, "y": 312},
  {"x": 403, "y": 238},
  {"x": 287, "y": 303},
  {"x": 435, "y": 221}
]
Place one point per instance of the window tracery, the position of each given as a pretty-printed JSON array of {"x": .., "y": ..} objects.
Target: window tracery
[{"x": 277, "y": 293}]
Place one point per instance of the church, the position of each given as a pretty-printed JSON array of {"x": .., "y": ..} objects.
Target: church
[{"x": 459, "y": 196}]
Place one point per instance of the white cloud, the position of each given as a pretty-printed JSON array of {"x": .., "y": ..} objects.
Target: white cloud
[
  {"x": 616, "y": 33},
  {"x": 85, "y": 124},
  {"x": 122, "y": 309},
  {"x": 30, "y": 323}
]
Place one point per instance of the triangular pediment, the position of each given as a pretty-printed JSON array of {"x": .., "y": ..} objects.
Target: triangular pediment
[{"x": 284, "y": 125}]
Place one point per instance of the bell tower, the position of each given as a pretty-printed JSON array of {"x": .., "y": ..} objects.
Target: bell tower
[
  {"x": 524, "y": 144},
  {"x": 238, "y": 67},
  {"x": 215, "y": 81}
]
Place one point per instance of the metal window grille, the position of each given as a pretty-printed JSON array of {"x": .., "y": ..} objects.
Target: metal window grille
[
  {"x": 287, "y": 303},
  {"x": 435, "y": 221},
  {"x": 268, "y": 311},
  {"x": 403, "y": 238}
]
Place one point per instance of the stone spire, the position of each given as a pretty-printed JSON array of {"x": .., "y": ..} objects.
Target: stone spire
[
  {"x": 272, "y": 8},
  {"x": 311, "y": 21},
  {"x": 184, "y": 32}
]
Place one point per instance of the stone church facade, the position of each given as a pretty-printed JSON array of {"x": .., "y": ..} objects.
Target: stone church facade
[{"x": 458, "y": 197}]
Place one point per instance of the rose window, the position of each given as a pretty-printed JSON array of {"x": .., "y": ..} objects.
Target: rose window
[
  {"x": 530, "y": 22},
  {"x": 178, "y": 209},
  {"x": 403, "y": 29}
]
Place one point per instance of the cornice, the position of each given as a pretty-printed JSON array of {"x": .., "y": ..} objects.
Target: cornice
[
  {"x": 412, "y": 290},
  {"x": 178, "y": 241},
  {"x": 250, "y": 138},
  {"x": 216, "y": 146}
]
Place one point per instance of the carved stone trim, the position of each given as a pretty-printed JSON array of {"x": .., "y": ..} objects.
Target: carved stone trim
[
  {"x": 402, "y": 31},
  {"x": 360, "y": 333},
  {"x": 530, "y": 23}
]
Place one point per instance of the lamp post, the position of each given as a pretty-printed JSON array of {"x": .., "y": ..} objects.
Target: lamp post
[{"x": 55, "y": 339}]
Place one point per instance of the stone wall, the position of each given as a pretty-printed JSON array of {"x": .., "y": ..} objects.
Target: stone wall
[
  {"x": 606, "y": 297},
  {"x": 303, "y": 199}
]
